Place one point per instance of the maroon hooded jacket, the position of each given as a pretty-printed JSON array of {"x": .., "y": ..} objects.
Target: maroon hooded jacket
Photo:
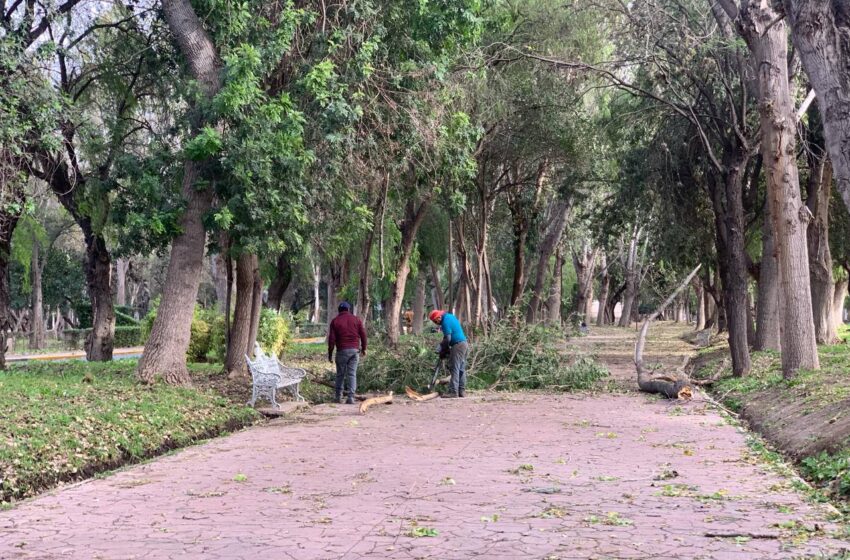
[{"x": 346, "y": 332}]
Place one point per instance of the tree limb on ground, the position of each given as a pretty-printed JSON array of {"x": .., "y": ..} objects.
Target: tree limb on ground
[
  {"x": 671, "y": 386},
  {"x": 386, "y": 399},
  {"x": 419, "y": 397}
]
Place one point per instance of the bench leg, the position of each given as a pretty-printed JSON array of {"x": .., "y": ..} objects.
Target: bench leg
[
  {"x": 253, "y": 396},
  {"x": 274, "y": 401}
]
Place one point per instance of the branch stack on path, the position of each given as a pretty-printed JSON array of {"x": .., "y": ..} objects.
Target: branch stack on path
[
  {"x": 386, "y": 399},
  {"x": 677, "y": 386},
  {"x": 419, "y": 397}
]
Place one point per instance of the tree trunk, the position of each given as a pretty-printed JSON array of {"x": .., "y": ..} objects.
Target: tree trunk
[
  {"x": 165, "y": 350},
  {"x": 550, "y": 241},
  {"x": 553, "y": 317},
  {"x": 282, "y": 279},
  {"x": 418, "y": 303},
  {"x": 699, "y": 292},
  {"x": 604, "y": 287},
  {"x": 630, "y": 272},
  {"x": 317, "y": 304},
  {"x": 121, "y": 267},
  {"x": 37, "y": 333},
  {"x": 768, "y": 311},
  {"x": 240, "y": 332},
  {"x": 101, "y": 339},
  {"x": 409, "y": 227},
  {"x": 218, "y": 270},
  {"x": 10, "y": 199},
  {"x": 820, "y": 30},
  {"x": 768, "y": 39},
  {"x": 584, "y": 262},
  {"x": 839, "y": 294},
  {"x": 818, "y": 190},
  {"x": 731, "y": 250},
  {"x": 438, "y": 291},
  {"x": 256, "y": 304}
]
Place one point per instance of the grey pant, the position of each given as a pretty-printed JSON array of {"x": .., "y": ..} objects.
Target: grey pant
[
  {"x": 457, "y": 366},
  {"x": 346, "y": 370}
]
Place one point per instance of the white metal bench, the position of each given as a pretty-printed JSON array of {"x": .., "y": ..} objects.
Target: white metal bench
[{"x": 269, "y": 375}]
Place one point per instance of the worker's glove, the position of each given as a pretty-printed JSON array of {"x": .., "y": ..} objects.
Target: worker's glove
[
  {"x": 444, "y": 349},
  {"x": 331, "y": 357}
]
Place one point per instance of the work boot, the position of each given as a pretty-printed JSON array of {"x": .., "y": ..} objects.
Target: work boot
[
  {"x": 449, "y": 395},
  {"x": 349, "y": 400},
  {"x": 462, "y": 393},
  {"x": 337, "y": 398}
]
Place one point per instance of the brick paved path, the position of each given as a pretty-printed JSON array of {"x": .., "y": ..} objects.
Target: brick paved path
[{"x": 491, "y": 477}]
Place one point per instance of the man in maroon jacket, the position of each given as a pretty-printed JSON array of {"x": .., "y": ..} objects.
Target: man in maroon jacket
[{"x": 347, "y": 334}]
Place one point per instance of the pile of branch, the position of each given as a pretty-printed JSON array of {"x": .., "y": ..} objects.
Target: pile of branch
[{"x": 677, "y": 386}]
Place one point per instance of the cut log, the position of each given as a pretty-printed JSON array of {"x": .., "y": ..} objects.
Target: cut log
[
  {"x": 386, "y": 399},
  {"x": 418, "y": 397},
  {"x": 676, "y": 386}
]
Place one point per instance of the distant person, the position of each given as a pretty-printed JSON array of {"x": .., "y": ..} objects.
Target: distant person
[
  {"x": 454, "y": 340},
  {"x": 347, "y": 334}
]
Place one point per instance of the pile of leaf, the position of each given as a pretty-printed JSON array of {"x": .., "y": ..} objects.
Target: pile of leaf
[{"x": 67, "y": 421}]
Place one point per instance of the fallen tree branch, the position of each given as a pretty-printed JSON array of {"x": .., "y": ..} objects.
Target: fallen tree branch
[
  {"x": 386, "y": 399},
  {"x": 671, "y": 386},
  {"x": 418, "y": 397},
  {"x": 746, "y": 535}
]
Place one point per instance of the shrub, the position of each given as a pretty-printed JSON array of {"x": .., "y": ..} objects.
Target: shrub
[
  {"x": 204, "y": 339},
  {"x": 274, "y": 334},
  {"x": 128, "y": 336}
]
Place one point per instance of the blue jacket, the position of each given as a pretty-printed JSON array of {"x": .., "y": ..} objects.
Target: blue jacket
[{"x": 452, "y": 329}]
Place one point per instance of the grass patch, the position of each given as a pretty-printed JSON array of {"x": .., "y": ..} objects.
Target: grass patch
[{"x": 66, "y": 421}]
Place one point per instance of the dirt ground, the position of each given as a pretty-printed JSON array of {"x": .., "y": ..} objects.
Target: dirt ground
[{"x": 494, "y": 476}]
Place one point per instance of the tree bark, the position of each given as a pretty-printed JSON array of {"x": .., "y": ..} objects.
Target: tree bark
[
  {"x": 768, "y": 39},
  {"x": 438, "y": 291},
  {"x": 317, "y": 304},
  {"x": 699, "y": 292},
  {"x": 839, "y": 296},
  {"x": 121, "y": 267},
  {"x": 630, "y": 272},
  {"x": 604, "y": 287},
  {"x": 550, "y": 241},
  {"x": 37, "y": 332},
  {"x": 11, "y": 200},
  {"x": 768, "y": 311},
  {"x": 165, "y": 350},
  {"x": 553, "y": 317},
  {"x": 282, "y": 279},
  {"x": 418, "y": 303},
  {"x": 256, "y": 304},
  {"x": 584, "y": 262},
  {"x": 240, "y": 331},
  {"x": 820, "y": 30},
  {"x": 101, "y": 339},
  {"x": 820, "y": 258},
  {"x": 409, "y": 227},
  {"x": 364, "y": 296},
  {"x": 218, "y": 270}
]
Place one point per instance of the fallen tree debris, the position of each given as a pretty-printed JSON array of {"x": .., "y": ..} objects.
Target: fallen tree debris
[
  {"x": 742, "y": 535},
  {"x": 386, "y": 399},
  {"x": 672, "y": 386},
  {"x": 419, "y": 397}
]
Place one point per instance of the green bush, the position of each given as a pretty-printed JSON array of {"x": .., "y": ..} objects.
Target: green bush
[
  {"x": 124, "y": 320},
  {"x": 204, "y": 340},
  {"x": 274, "y": 334},
  {"x": 84, "y": 315},
  {"x": 128, "y": 336}
]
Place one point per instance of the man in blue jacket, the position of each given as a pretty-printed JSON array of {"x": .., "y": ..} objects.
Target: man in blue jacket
[{"x": 455, "y": 340}]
